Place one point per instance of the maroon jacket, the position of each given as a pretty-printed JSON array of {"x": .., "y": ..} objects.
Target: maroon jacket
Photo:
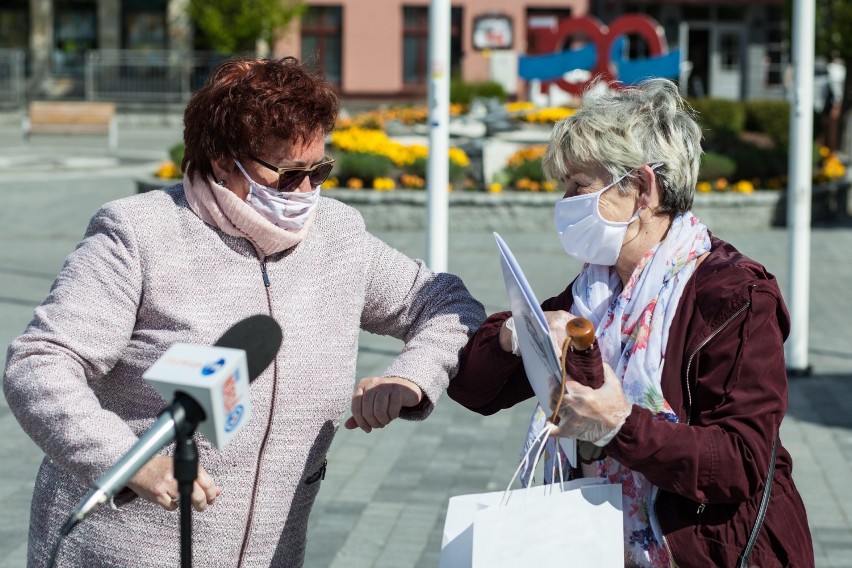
[{"x": 725, "y": 377}]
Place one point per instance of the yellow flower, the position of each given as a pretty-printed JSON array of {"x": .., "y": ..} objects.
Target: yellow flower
[
  {"x": 330, "y": 183},
  {"x": 495, "y": 188},
  {"x": 548, "y": 186},
  {"x": 519, "y": 106},
  {"x": 169, "y": 170},
  {"x": 704, "y": 187},
  {"x": 721, "y": 184},
  {"x": 383, "y": 184},
  {"x": 458, "y": 156},
  {"x": 548, "y": 115},
  {"x": 832, "y": 167},
  {"x": 744, "y": 186},
  {"x": 354, "y": 183},
  {"x": 411, "y": 181},
  {"x": 824, "y": 151},
  {"x": 526, "y": 155}
]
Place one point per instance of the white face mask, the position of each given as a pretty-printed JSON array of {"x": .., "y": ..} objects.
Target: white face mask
[
  {"x": 585, "y": 234},
  {"x": 286, "y": 209}
]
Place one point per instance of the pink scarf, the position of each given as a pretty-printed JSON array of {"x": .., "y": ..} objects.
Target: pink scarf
[{"x": 219, "y": 207}]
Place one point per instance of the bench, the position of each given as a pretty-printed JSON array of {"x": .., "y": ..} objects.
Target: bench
[{"x": 55, "y": 117}]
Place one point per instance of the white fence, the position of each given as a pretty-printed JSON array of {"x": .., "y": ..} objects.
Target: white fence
[{"x": 11, "y": 77}]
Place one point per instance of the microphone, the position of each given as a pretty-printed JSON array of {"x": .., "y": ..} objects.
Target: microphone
[{"x": 210, "y": 385}]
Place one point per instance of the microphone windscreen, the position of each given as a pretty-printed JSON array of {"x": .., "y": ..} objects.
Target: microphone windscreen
[{"x": 259, "y": 336}]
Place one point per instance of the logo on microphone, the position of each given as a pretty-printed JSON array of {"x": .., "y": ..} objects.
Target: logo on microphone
[
  {"x": 234, "y": 418},
  {"x": 211, "y": 368}
]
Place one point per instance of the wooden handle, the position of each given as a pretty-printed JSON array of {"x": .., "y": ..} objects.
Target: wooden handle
[{"x": 581, "y": 332}]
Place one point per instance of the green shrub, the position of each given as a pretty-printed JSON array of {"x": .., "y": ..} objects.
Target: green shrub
[
  {"x": 527, "y": 169},
  {"x": 362, "y": 165},
  {"x": 720, "y": 119},
  {"x": 715, "y": 166},
  {"x": 418, "y": 168},
  {"x": 463, "y": 93},
  {"x": 176, "y": 153},
  {"x": 772, "y": 117},
  {"x": 753, "y": 162}
]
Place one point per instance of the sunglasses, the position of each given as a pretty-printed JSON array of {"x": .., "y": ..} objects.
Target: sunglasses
[{"x": 291, "y": 178}]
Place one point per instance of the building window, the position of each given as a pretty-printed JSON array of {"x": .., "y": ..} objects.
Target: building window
[
  {"x": 14, "y": 24},
  {"x": 693, "y": 12},
  {"x": 143, "y": 24},
  {"x": 322, "y": 33},
  {"x": 75, "y": 33},
  {"x": 652, "y": 10},
  {"x": 541, "y": 21},
  {"x": 729, "y": 51},
  {"x": 776, "y": 47},
  {"x": 415, "y": 44}
]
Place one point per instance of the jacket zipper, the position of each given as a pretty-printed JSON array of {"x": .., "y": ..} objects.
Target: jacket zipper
[
  {"x": 264, "y": 273},
  {"x": 692, "y": 355},
  {"x": 699, "y": 348},
  {"x": 247, "y": 535}
]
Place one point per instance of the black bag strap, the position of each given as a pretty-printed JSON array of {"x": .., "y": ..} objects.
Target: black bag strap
[{"x": 761, "y": 513}]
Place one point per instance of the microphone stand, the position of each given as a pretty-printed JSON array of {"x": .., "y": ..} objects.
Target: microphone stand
[{"x": 187, "y": 414}]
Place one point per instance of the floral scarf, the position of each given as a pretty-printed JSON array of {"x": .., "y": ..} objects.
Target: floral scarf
[{"x": 632, "y": 324}]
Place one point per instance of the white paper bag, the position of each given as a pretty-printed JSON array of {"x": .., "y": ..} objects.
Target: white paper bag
[{"x": 579, "y": 520}]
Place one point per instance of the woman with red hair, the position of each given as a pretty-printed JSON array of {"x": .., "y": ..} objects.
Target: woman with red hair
[{"x": 246, "y": 232}]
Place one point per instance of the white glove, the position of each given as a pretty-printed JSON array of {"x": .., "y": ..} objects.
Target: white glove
[
  {"x": 592, "y": 415},
  {"x": 510, "y": 325}
]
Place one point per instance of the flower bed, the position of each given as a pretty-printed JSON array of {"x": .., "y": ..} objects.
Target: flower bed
[{"x": 385, "y": 175}]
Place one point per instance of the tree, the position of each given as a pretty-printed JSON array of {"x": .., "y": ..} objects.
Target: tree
[{"x": 239, "y": 26}]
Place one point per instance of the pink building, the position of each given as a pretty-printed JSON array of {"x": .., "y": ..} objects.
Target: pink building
[{"x": 380, "y": 47}]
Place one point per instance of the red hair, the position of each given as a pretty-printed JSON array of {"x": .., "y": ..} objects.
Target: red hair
[{"x": 247, "y": 102}]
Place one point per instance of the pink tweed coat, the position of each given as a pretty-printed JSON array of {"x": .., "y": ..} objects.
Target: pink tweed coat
[{"x": 150, "y": 273}]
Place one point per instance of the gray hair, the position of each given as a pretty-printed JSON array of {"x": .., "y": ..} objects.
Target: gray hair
[{"x": 623, "y": 129}]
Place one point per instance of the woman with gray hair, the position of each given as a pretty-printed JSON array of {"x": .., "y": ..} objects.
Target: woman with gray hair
[{"x": 691, "y": 337}]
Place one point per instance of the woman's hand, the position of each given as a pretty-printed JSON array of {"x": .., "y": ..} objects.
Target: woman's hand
[
  {"x": 592, "y": 415},
  {"x": 378, "y": 401},
  {"x": 155, "y": 482},
  {"x": 556, "y": 321}
]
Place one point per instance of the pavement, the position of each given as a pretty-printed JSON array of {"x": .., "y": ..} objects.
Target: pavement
[{"x": 383, "y": 501}]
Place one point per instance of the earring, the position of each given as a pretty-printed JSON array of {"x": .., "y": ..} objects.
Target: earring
[{"x": 221, "y": 182}]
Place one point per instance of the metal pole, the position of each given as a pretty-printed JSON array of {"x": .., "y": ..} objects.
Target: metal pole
[
  {"x": 799, "y": 184},
  {"x": 438, "y": 169}
]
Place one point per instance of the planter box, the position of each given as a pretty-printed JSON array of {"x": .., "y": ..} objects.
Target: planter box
[{"x": 404, "y": 210}]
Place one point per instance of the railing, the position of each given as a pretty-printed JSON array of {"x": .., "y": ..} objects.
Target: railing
[
  {"x": 146, "y": 76},
  {"x": 11, "y": 76}
]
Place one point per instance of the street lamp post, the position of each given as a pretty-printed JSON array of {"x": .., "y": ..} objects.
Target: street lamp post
[
  {"x": 799, "y": 185},
  {"x": 438, "y": 169}
]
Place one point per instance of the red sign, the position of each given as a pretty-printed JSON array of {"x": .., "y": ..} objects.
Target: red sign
[{"x": 554, "y": 40}]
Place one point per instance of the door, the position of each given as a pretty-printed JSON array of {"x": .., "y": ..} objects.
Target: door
[
  {"x": 727, "y": 61},
  {"x": 698, "y": 54}
]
